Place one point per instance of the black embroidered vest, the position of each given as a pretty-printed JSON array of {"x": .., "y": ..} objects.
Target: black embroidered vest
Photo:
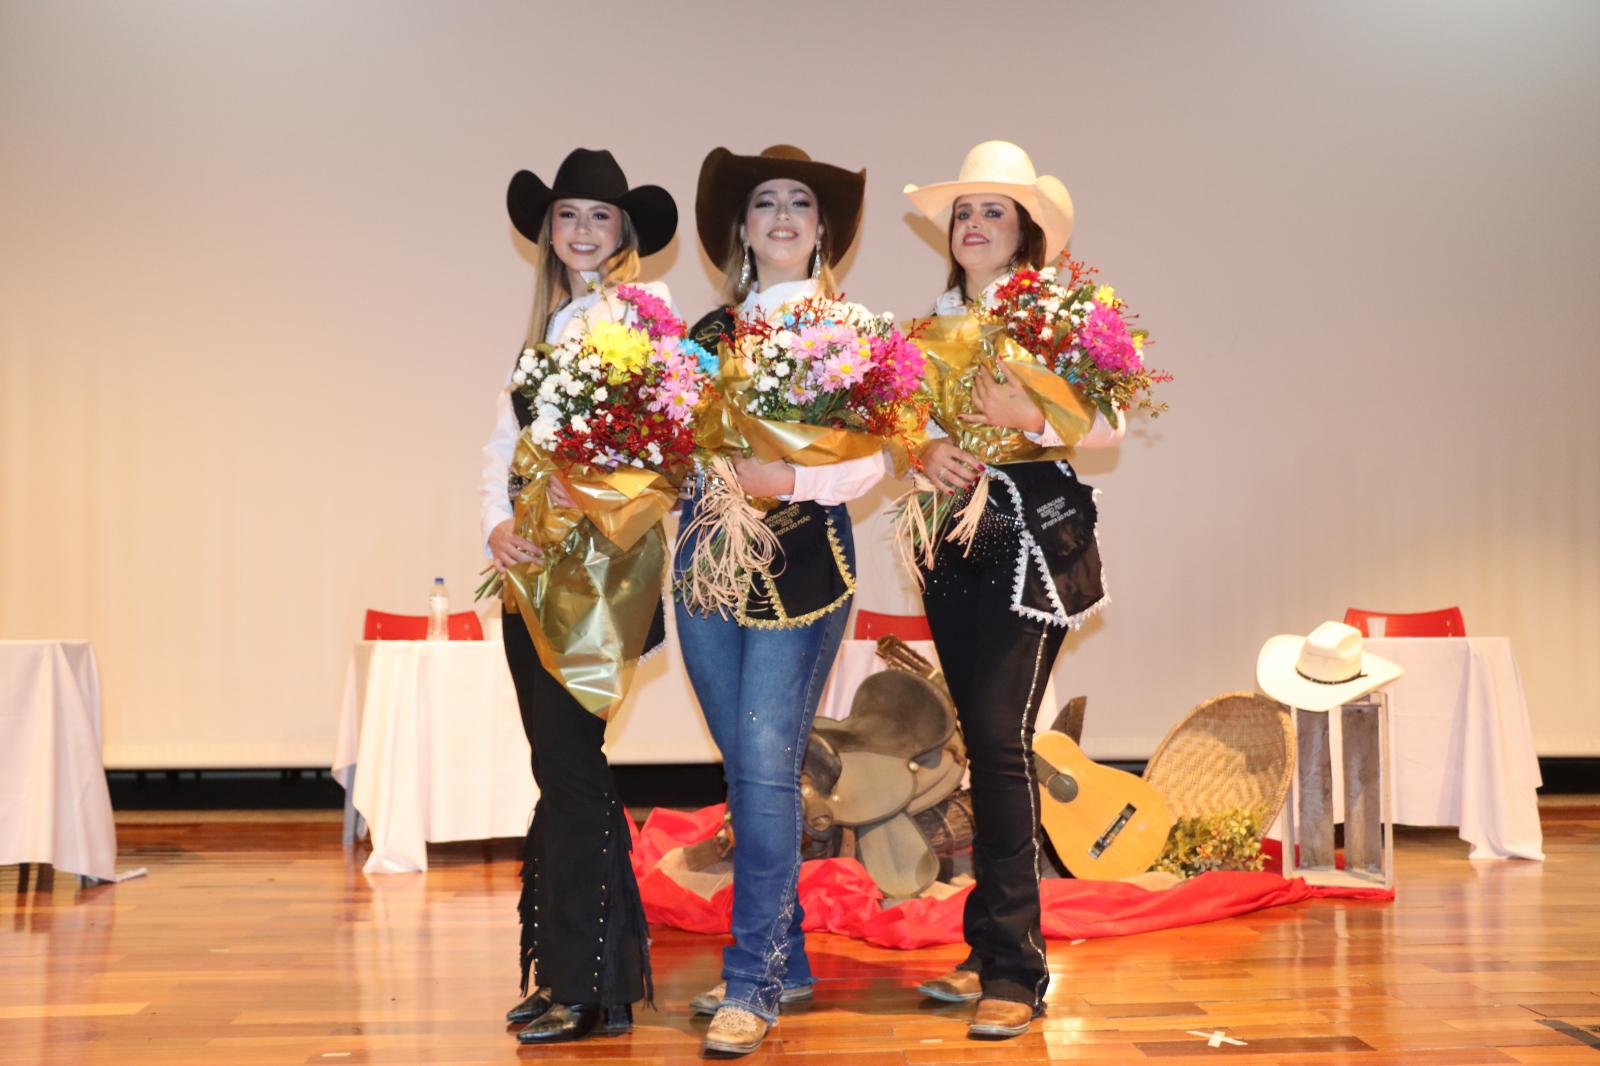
[{"x": 812, "y": 576}]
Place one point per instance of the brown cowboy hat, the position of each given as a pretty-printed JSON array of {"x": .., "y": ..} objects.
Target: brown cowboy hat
[
  {"x": 727, "y": 179},
  {"x": 593, "y": 174}
]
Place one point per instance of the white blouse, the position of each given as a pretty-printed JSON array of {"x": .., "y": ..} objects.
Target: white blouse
[
  {"x": 573, "y": 319},
  {"x": 1102, "y": 434},
  {"x": 837, "y": 482}
]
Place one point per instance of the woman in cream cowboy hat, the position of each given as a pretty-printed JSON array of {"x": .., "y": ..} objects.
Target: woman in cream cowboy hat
[
  {"x": 1000, "y": 609},
  {"x": 776, "y": 223}
]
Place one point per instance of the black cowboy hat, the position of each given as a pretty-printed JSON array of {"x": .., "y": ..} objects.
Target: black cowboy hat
[
  {"x": 727, "y": 179},
  {"x": 588, "y": 174}
]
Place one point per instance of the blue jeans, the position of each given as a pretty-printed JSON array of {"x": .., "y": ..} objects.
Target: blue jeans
[{"x": 759, "y": 690}]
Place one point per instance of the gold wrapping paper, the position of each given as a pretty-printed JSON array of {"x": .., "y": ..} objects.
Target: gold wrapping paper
[
  {"x": 958, "y": 348},
  {"x": 590, "y": 603}
]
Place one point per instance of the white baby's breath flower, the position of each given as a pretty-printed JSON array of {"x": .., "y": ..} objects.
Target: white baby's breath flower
[
  {"x": 579, "y": 424},
  {"x": 601, "y": 394},
  {"x": 781, "y": 369},
  {"x": 518, "y": 378},
  {"x": 526, "y": 362},
  {"x": 766, "y": 383}
]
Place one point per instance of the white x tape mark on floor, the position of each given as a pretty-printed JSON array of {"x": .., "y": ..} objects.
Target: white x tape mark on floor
[{"x": 1216, "y": 1038}]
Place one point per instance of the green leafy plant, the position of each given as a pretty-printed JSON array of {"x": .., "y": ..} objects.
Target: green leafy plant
[{"x": 1227, "y": 840}]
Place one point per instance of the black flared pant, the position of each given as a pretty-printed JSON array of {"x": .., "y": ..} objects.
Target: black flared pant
[
  {"x": 583, "y": 926},
  {"x": 997, "y": 664}
]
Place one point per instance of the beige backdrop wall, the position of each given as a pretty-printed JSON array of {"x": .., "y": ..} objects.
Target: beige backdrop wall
[{"x": 258, "y": 288}]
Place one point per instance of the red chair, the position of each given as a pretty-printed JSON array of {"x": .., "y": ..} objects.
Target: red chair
[
  {"x": 870, "y": 625},
  {"x": 383, "y": 626},
  {"x": 1442, "y": 623}
]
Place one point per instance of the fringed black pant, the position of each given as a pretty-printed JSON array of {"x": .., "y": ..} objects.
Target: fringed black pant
[{"x": 583, "y": 926}]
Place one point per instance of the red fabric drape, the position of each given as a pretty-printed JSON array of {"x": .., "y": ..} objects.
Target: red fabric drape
[{"x": 839, "y": 897}]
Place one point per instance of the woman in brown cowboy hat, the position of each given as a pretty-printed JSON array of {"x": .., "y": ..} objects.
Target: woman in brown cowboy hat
[
  {"x": 997, "y": 622},
  {"x": 583, "y": 926},
  {"x": 777, "y": 223}
]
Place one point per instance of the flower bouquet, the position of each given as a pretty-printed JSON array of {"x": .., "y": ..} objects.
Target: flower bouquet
[
  {"x": 613, "y": 423},
  {"x": 818, "y": 381},
  {"x": 1062, "y": 339},
  {"x": 1080, "y": 331}
]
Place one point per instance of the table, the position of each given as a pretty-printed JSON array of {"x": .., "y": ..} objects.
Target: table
[
  {"x": 1460, "y": 745},
  {"x": 54, "y": 804},
  {"x": 433, "y": 728}
]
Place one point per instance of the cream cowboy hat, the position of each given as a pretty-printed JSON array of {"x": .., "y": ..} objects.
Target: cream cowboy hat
[
  {"x": 1321, "y": 671},
  {"x": 1002, "y": 167}
]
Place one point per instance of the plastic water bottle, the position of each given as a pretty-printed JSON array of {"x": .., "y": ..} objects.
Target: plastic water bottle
[{"x": 438, "y": 611}]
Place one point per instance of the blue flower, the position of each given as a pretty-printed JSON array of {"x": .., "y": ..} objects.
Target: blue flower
[{"x": 707, "y": 362}]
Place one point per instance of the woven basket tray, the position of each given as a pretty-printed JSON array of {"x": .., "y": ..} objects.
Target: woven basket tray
[{"x": 1234, "y": 750}]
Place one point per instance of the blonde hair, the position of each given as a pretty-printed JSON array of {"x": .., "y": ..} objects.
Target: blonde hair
[
  {"x": 550, "y": 281},
  {"x": 733, "y": 270}
]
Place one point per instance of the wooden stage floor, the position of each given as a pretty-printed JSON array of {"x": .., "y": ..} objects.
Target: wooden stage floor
[{"x": 260, "y": 941}]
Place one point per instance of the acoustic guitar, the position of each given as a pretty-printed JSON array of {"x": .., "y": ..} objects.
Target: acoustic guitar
[{"x": 1105, "y": 824}]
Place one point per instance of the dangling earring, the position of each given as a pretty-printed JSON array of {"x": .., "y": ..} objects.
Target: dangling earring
[
  {"x": 816, "y": 262},
  {"x": 744, "y": 267}
]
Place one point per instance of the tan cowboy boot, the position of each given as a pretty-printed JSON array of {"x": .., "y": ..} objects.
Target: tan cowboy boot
[
  {"x": 734, "y": 1031},
  {"x": 957, "y": 986},
  {"x": 998, "y": 1019}
]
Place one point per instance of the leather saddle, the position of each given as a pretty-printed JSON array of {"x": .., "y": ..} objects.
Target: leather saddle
[{"x": 897, "y": 754}]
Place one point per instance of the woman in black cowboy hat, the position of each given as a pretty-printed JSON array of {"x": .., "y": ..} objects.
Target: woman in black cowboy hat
[
  {"x": 583, "y": 926},
  {"x": 777, "y": 223}
]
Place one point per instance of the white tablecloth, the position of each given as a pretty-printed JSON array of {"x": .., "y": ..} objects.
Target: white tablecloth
[
  {"x": 431, "y": 734},
  {"x": 54, "y": 804},
  {"x": 1462, "y": 745}
]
